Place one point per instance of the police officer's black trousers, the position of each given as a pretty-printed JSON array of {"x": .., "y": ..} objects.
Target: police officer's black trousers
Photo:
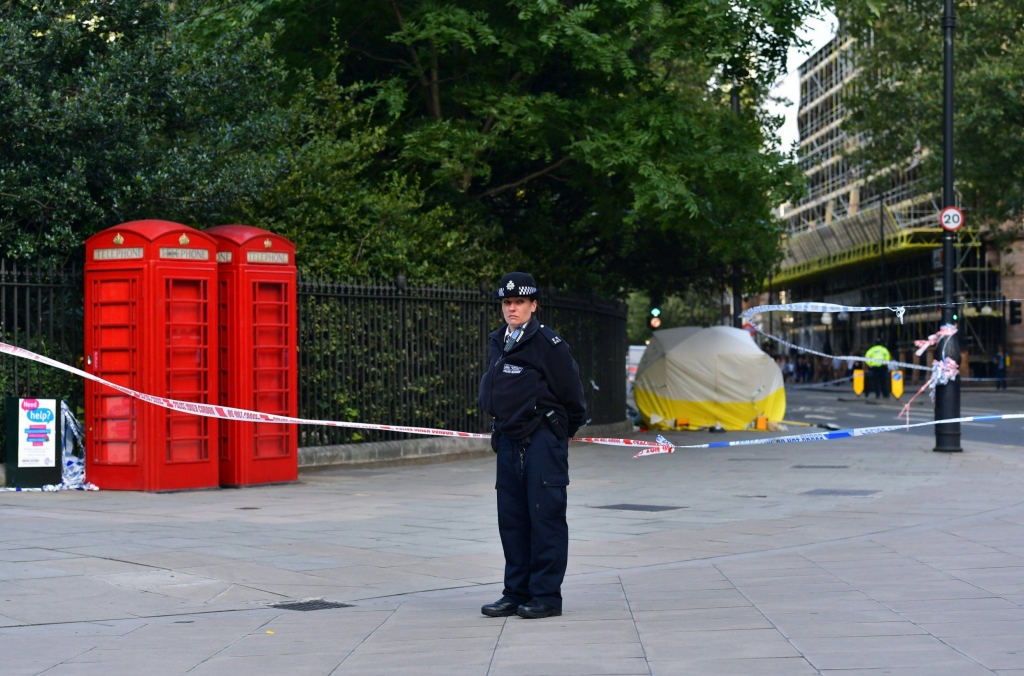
[
  {"x": 880, "y": 381},
  {"x": 531, "y": 485}
]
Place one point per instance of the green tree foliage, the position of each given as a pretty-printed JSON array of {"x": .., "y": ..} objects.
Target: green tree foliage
[
  {"x": 111, "y": 113},
  {"x": 134, "y": 109},
  {"x": 597, "y": 137},
  {"x": 693, "y": 308},
  {"x": 350, "y": 217},
  {"x": 591, "y": 143},
  {"x": 898, "y": 108}
]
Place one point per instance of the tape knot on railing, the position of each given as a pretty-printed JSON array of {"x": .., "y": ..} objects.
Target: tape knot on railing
[
  {"x": 945, "y": 331},
  {"x": 942, "y": 373}
]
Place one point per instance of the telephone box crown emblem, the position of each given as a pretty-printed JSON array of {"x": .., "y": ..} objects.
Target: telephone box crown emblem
[
  {"x": 183, "y": 240},
  {"x": 267, "y": 243},
  {"x": 118, "y": 239}
]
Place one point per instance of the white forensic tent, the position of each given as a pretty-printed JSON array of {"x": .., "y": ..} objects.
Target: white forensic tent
[{"x": 707, "y": 375}]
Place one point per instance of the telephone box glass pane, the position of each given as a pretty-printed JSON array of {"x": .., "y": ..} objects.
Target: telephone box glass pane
[
  {"x": 271, "y": 446},
  {"x": 224, "y": 301},
  {"x": 187, "y": 367},
  {"x": 270, "y": 361},
  {"x": 115, "y": 359}
]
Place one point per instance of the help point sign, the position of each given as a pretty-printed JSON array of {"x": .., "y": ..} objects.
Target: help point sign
[{"x": 37, "y": 432}]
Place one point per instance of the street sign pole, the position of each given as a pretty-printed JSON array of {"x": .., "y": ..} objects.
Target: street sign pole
[
  {"x": 737, "y": 290},
  {"x": 947, "y": 397}
]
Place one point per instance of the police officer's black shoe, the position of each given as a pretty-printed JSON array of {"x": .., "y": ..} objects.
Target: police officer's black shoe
[
  {"x": 500, "y": 608},
  {"x": 535, "y": 610}
]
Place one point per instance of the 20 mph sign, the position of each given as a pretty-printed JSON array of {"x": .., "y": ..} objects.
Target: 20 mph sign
[{"x": 951, "y": 219}]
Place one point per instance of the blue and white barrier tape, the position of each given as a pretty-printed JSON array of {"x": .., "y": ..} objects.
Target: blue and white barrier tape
[
  {"x": 900, "y": 310},
  {"x": 850, "y": 359},
  {"x": 821, "y": 307},
  {"x": 847, "y": 358},
  {"x": 831, "y": 436}
]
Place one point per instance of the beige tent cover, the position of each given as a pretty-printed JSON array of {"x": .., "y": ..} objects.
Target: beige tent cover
[{"x": 707, "y": 375}]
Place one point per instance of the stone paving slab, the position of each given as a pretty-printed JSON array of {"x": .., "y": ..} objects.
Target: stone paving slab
[{"x": 750, "y": 575}]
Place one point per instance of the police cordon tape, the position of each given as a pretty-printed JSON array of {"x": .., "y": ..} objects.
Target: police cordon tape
[
  {"x": 942, "y": 371},
  {"x": 900, "y": 310},
  {"x": 661, "y": 445},
  {"x": 933, "y": 340},
  {"x": 240, "y": 414},
  {"x": 823, "y": 307},
  {"x": 840, "y": 434},
  {"x": 847, "y": 358},
  {"x": 852, "y": 358}
]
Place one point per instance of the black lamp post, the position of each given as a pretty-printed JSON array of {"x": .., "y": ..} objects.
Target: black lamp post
[
  {"x": 947, "y": 397},
  {"x": 737, "y": 290}
]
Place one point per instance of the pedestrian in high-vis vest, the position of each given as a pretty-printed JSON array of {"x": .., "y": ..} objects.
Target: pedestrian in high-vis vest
[{"x": 877, "y": 359}]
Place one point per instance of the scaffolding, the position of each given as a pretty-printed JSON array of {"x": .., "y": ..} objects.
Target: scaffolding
[
  {"x": 858, "y": 239},
  {"x": 913, "y": 279},
  {"x": 837, "y": 189}
]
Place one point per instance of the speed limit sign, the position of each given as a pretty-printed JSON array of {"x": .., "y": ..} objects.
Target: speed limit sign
[{"x": 951, "y": 219}]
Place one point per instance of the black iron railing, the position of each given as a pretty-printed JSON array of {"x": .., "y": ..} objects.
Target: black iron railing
[
  {"x": 379, "y": 353},
  {"x": 368, "y": 352},
  {"x": 41, "y": 310}
]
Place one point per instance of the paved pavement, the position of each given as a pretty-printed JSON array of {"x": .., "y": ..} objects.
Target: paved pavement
[{"x": 867, "y": 556}]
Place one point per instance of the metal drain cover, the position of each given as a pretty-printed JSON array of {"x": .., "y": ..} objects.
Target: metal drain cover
[
  {"x": 820, "y": 467},
  {"x": 312, "y": 604},
  {"x": 839, "y": 491},
  {"x": 640, "y": 508}
]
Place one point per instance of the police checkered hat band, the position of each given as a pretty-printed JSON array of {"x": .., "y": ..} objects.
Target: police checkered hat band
[{"x": 516, "y": 285}]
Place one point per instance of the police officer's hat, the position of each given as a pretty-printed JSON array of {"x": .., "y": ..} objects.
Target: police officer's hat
[{"x": 516, "y": 285}]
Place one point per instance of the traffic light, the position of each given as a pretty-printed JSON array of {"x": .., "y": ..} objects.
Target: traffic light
[
  {"x": 654, "y": 321},
  {"x": 1015, "y": 312}
]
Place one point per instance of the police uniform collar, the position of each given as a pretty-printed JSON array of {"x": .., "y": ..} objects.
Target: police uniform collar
[{"x": 531, "y": 327}]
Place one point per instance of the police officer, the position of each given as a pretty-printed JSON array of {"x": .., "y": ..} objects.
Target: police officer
[
  {"x": 532, "y": 389},
  {"x": 877, "y": 357}
]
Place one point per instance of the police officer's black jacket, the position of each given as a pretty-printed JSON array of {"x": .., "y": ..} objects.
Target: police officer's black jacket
[{"x": 537, "y": 375}]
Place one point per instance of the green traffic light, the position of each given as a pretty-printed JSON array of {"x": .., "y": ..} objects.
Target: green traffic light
[
  {"x": 955, "y": 317},
  {"x": 655, "y": 312}
]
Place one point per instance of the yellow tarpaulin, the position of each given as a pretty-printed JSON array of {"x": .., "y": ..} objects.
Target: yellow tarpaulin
[{"x": 707, "y": 376}]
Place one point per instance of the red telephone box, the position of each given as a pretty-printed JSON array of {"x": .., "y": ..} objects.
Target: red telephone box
[
  {"x": 150, "y": 301},
  {"x": 258, "y": 357}
]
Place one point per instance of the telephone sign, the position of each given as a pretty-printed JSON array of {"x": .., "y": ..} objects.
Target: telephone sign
[{"x": 951, "y": 219}]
